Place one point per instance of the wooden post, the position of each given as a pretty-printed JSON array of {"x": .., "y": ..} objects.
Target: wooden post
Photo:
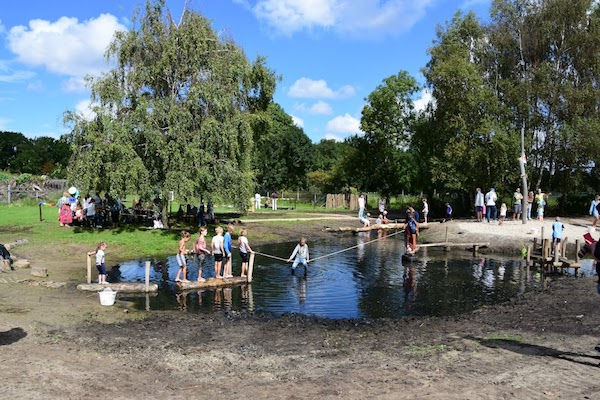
[
  {"x": 577, "y": 248},
  {"x": 89, "y": 269},
  {"x": 529, "y": 255},
  {"x": 534, "y": 244},
  {"x": 542, "y": 231},
  {"x": 250, "y": 267},
  {"x": 8, "y": 194},
  {"x": 446, "y": 241},
  {"x": 147, "y": 300},
  {"x": 40, "y": 206},
  {"x": 147, "y": 276}
]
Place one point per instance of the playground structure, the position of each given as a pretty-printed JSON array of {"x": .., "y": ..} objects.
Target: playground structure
[{"x": 553, "y": 257}]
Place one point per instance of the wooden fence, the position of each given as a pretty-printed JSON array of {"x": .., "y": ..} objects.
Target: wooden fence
[{"x": 340, "y": 200}]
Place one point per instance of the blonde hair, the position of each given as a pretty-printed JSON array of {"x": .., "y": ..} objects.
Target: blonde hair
[
  {"x": 243, "y": 232},
  {"x": 202, "y": 229},
  {"x": 219, "y": 230},
  {"x": 100, "y": 245},
  {"x": 185, "y": 234}
]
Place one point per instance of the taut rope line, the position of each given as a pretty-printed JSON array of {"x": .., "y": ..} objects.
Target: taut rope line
[{"x": 335, "y": 252}]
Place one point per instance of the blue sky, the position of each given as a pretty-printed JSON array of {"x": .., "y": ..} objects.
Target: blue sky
[{"x": 330, "y": 53}]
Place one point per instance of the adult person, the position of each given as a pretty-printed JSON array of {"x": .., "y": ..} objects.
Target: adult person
[
  {"x": 381, "y": 206},
  {"x": 518, "y": 199},
  {"x": 540, "y": 199},
  {"x": 479, "y": 203},
  {"x": 490, "y": 201},
  {"x": 425, "y": 210},
  {"x": 530, "y": 199},
  {"x": 274, "y": 201},
  {"x": 257, "y": 201},
  {"x": 594, "y": 210},
  {"x": 361, "y": 206}
]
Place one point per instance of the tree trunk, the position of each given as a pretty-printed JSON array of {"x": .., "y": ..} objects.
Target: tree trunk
[{"x": 164, "y": 215}]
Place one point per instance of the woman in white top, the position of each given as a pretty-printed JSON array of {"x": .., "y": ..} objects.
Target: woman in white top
[
  {"x": 216, "y": 246},
  {"x": 425, "y": 209}
]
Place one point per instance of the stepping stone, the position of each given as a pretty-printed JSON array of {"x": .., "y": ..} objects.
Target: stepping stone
[
  {"x": 39, "y": 271},
  {"x": 21, "y": 264}
]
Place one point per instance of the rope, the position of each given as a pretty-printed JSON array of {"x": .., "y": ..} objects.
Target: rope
[{"x": 334, "y": 253}]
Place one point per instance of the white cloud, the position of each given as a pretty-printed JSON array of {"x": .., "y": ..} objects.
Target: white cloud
[
  {"x": 299, "y": 122},
  {"x": 319, "y": 108},
  {"x": 315, "y": 89},
  {"x": 344, "y": 16},
  {"x": 75, "y": 84},
  {"x": 36, "y": 86},
  {"x": 330, "y": 136},
  {"x": 84, "y": 108},
  {"x": 344, "y": 124},
  {"x": 423, "y": 101},
  {"x": 66, "y": 46},
  {"x": 16, "y": 76}
]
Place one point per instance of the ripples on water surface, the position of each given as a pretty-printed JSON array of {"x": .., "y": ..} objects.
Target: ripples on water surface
[{"x": 369, "y": 281}]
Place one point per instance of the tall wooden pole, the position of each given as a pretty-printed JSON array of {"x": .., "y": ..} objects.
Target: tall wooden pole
[
  {"x": 250, "y": 267},
  {"x": 89, "y": 269},
  {"x": 147, "y": 276}
]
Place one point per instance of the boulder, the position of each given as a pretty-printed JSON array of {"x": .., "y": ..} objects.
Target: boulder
[
  {"x": 39, "y": 271},
  {"x": 21, "y": 264}
]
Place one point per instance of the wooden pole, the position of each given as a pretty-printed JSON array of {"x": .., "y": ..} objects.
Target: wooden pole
[
  {"x": 40, "y": 206},
  {"x": 89, "y": 269},
  {"x": 147, "y": 276},
  {"x": 8, "y": 194},
  {"x": 250, "y": 267},
  {"x": 529, "y": 255},
  {"x": 542, "y": 234},
  {"x": 577, "y": 248}
]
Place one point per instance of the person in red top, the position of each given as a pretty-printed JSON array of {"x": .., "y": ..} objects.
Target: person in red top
[{"x": 201, "y": 251}]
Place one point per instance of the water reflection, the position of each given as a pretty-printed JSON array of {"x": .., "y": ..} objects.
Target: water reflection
[{"x": 368, "y": 281}]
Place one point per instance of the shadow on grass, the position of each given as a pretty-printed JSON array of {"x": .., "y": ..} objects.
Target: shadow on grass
[{"x": 527, "y": 349}]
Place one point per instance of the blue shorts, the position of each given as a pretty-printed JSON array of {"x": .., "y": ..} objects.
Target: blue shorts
[{"x": 101, "y": 269}]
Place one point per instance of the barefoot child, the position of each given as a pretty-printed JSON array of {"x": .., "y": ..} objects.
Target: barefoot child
[
  {"x": 245, "y": 248},
  {"x": 300, "y": 256},
  {"x": 185, "y": 237},
  {"x": 227, "y": 246},
  {"x": 503, "y": 209},
  {"x": 412, "y": 232},
  {"x": 100, "y": 262},
  {"x": 201, "y": 251},
  {"x": 216, "y": 247}
]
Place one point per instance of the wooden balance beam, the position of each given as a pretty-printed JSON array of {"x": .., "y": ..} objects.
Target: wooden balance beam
[
  {"x": 123, "y": 287},
  {"x": 221, "y": 282},
  {"x": 373, "y": 227}
]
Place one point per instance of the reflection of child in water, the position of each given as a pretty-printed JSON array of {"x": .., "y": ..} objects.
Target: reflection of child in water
[{"x": 410, "y": 286}]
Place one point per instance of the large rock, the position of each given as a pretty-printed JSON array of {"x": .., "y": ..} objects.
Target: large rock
[
  {"x": 21, "y": 264},
  {"x": 39, "y": 271}
]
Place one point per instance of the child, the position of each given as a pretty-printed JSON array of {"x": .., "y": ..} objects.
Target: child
[
  {"x": 201, "y": 251},
  {"x": 540, "y": 211},
  {"x": 245, "y": 248},
  {"x": 412, "y": 232},
  {"x": 185, "y": 237},
  {"x": 448, "y": 215},
  {"x": 365, "y": 220},
  {"x": 425, "y": 210},
  {"x": 385, "y": 219},
  {"x": 502, "y": 213},
  {"x": 300, "y": 256},
  {"x": 100, "y": 262},
  {"x": 228, "y": 246},
  {"x": 557, "y": 231},
  {"x": 216, "y": 247},
  {"x": 379, "y": 220}
]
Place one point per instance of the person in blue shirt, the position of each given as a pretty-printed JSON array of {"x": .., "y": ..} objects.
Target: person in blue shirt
[
  {"x": 557, "y": 231},
  {"x": 228, "y": 246},
  {"x": 448, "y": 215}
]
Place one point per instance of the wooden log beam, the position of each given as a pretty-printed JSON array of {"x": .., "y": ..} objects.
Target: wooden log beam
[
  {"x": 124, "y": 287},
  {"x": 479, "y": 245},
  {"x": 211, "y": 283}
]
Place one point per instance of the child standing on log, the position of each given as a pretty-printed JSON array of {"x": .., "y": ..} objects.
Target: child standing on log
[
  {"x": 100, "y": 262},
  {"x": 216, "y": 246},
  {"x": 412, "y": 232},
  {"x": 201, "y": 251},
  {"x": 245, "y": 248},
  {"x": 185, "y": 237},
  {"x": 300, "y": 255},
  {"x": 503, "y": 210},
  {"x": 228, "y": 246}
]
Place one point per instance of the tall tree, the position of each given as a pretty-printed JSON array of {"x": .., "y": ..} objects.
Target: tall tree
[{"x": 173, "y": 115}]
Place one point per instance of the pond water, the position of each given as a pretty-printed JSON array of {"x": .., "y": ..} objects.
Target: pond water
[{"x": 369, "y": 281}]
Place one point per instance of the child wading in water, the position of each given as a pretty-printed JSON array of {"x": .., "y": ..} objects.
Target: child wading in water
[
  {"x": 201, "y": 251},
  {"x": 100, "y": 262},
  {"x": 217, "y": 249},
  {"x": 185, "y": 237},
  {"x": 300, "y": 256},
  {"x": 245, "y": 248}
]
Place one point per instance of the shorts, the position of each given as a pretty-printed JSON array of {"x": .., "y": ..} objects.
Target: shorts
[
  {"x": 180, "y": 260},
  {"x": 517, "y": 209},
  {"x": 101, "y": 269},
  {"x": 479, "y": 208},
  {"x": 218, "y": 257},
  {"x": 540, "y": 212},
  {"x": 595, "y": 213},
  {"x": 244, "y": 256},
  {"x": 557, "y": 240}
]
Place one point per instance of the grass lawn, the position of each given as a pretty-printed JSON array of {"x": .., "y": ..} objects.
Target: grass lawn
[{"x": 19, "y": 221}]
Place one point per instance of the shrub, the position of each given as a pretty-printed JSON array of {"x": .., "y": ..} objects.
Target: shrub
[
  {"x": 4, "y": 177},
  {"x": 23, "y": 178}
]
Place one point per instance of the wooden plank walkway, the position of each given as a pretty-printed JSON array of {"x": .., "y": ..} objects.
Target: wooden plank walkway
[
  {"x": 211, "y": 283},
  {"x": 124, "y": 287}
]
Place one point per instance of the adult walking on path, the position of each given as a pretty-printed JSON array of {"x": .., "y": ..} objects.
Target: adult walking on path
[
  {"x": 518, "y": 198},
  {"x": 257, "y": 201},
  {"x": 479, "y": 203},
  {"x": 490, "y": 201},
  {"x": 594, "y": 210},
  {"x": 274, "y": 201}
]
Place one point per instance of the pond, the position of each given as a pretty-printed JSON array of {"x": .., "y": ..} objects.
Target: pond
[{"x": 369, "y": 281}]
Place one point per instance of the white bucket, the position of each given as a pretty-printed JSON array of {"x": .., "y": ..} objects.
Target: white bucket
[{"x": 107, "y": 297}]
